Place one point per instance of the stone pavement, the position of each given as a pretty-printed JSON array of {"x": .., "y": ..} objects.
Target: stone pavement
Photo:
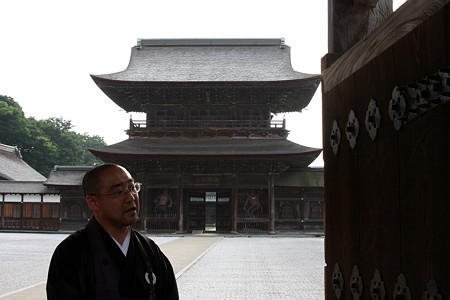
[
  {"x": 209, "y": 266},
  {"x": 257, "y": 267}
]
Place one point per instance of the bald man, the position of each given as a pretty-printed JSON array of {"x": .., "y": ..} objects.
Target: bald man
[{"x": 108, "y": 259}]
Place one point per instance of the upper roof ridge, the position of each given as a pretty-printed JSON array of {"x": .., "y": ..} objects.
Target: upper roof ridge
[
  {"x": 10, "y": 149},
  {"x": 210, "y": 42}
]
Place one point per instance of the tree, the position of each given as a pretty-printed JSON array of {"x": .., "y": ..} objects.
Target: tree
[
  {"x": 14, "y": 127},
  {"x": 90, "y": 142},
  {"x": 45, "y": 143}
]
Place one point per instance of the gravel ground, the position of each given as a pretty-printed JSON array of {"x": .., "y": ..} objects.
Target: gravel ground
[
  {"x": 257, "y": 268},
  {"x": 25, "y": 257},
  {"x": 235, "y": 268}
]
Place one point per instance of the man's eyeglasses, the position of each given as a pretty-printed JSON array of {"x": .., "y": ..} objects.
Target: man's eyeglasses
[{"x": 122, "y": 194}]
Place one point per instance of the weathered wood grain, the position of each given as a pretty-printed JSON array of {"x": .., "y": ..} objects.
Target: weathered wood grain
[
  {"x": 386, "y": 199},
  {"x": 396, "y": 26}
]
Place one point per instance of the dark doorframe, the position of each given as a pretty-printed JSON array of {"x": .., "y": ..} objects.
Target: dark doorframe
[{"x": 209, "y": 210}]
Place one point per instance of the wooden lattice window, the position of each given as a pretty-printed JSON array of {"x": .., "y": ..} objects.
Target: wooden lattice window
[
  {"x": 12, "y": 210},
  {"x": 287, "y": 212},
  {"x": 316, "y": 211},
  {"x": 31, "y": 210},
  {"x": 75, "y": 211},
  {"x": 50, "y": 210}
]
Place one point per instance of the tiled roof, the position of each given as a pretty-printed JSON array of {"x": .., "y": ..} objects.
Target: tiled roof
[
  {"x": 209, "y": 60},
  {"x": 209, "y": 148},
  {"x": 307, "y": 177},
  {"x": 67, "y": 175},
  {"x": 13, "y": 167},
  {"x": 168, "y": 68},
  {"x": 26, "y": 187}
]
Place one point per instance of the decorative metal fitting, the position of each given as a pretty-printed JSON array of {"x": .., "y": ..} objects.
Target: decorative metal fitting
[
  {"x": 434, "y": 88},
  {"x": 352, "y": 129},
  {"x": 401, "y": 290},
  {"x": 424, "y": 94},
  {"x": 397, "y": 107},
  {"x": 337, "y": 281},
  {"x": 419, "y": 89},
  {"x": 444, "y": 77},
  {"x": 373, "y": 119},
  {"x": 420, "y": 93},
  {"x": 139, "y": 44},
  {"x": 356, "y": 284},
  {"x": 432, "y": 292},
  {"x": 377, "y": 289},
  {"x": 335, "y": 137}
]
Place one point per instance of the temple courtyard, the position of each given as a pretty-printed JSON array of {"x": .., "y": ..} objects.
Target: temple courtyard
[{"x": 207, "y": 266}]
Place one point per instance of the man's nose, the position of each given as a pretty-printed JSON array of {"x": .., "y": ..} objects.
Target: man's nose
[{"x": 130, "y": 196}]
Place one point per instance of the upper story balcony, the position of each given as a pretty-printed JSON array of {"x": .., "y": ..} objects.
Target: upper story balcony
[{"x": 207, "y": 128}]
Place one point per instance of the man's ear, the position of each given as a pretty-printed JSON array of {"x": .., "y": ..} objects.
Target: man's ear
[{"x": 92, "y": 203}]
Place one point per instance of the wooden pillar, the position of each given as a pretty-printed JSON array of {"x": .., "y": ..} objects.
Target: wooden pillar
[
  {"x": 141, "y": 176},
  {"x": 307, "y": 210},
  {"x": 61, "y": 208},
  {"x": 270, "y": 190},
  {"x": 21, "y": 211},
  {"x": 143, "y": 212},
  {"x": 234, "y": 204},
  {"x": 41, "y": 221},
  {"x": 3, "y": 212},
  {"x": 180, "y": 204}
]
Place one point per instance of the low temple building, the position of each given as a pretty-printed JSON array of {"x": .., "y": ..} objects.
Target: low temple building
[
  {"x": 25, "y": 202},
  {"x": 74, "y": 212}
]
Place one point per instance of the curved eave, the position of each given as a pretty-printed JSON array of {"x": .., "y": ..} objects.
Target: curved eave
[
  {"x": 191, "y": 149},
  {"x": 294, "y": 159},
  {"x": 290, "y": 95},
  {"x": 193, "y": 156},
  {"x": 5, "y": 176},
  {"x": 100, "y": 79}
]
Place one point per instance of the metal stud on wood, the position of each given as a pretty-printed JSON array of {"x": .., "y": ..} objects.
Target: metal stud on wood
[
  {"x": 397, "y": 107},
  {"x": 377, "y": 289},
  {"x": 335, "y": 137},
  {"x": 337, "y": 281},
  {"x": 373, "y": 119},
  {"x": 401, "y": 290},
  {"x": 356, "y": 284},
  {"x": 432, "y": 292},
  {"x": 352, "y": 129}
]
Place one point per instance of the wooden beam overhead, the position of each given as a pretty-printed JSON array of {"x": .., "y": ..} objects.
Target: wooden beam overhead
[{"x": 371, "y": 3}]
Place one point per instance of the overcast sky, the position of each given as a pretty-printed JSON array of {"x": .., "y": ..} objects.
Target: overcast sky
[{"x": 48, "y": 49}]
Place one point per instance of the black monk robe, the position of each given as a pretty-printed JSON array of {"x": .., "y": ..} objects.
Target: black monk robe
[{"x": 89, "y": 265}]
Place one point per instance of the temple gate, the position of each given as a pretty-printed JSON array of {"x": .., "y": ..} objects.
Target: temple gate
[{"x": 213, "y": 145}]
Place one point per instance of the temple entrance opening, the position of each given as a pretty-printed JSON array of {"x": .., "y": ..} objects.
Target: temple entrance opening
[{"x": 209, "y": 210}]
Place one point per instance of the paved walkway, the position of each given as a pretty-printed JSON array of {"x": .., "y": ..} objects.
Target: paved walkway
[{"x": 256, "y": 267}]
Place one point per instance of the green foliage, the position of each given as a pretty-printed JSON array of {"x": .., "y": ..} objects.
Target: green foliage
[{"x": 45, "y": 143}]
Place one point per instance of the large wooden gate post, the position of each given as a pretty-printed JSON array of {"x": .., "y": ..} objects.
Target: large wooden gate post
[
  {"x": 271, "y": 195},
  {"x": 180, "y": 193},
  {"x": 386, "y": 133},
  {"x": 234, "y": 204}
]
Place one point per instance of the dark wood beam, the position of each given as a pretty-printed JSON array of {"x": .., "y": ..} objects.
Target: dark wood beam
[{"x": 371, "y": 3}]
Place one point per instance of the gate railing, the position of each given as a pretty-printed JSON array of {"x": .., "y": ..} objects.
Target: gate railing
[
  {"x": 51, "y": 224},
  {"x": 256, "y": 223},
  {"x": 279, "y": 124},
  {"x": 162, "y": 222}
]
